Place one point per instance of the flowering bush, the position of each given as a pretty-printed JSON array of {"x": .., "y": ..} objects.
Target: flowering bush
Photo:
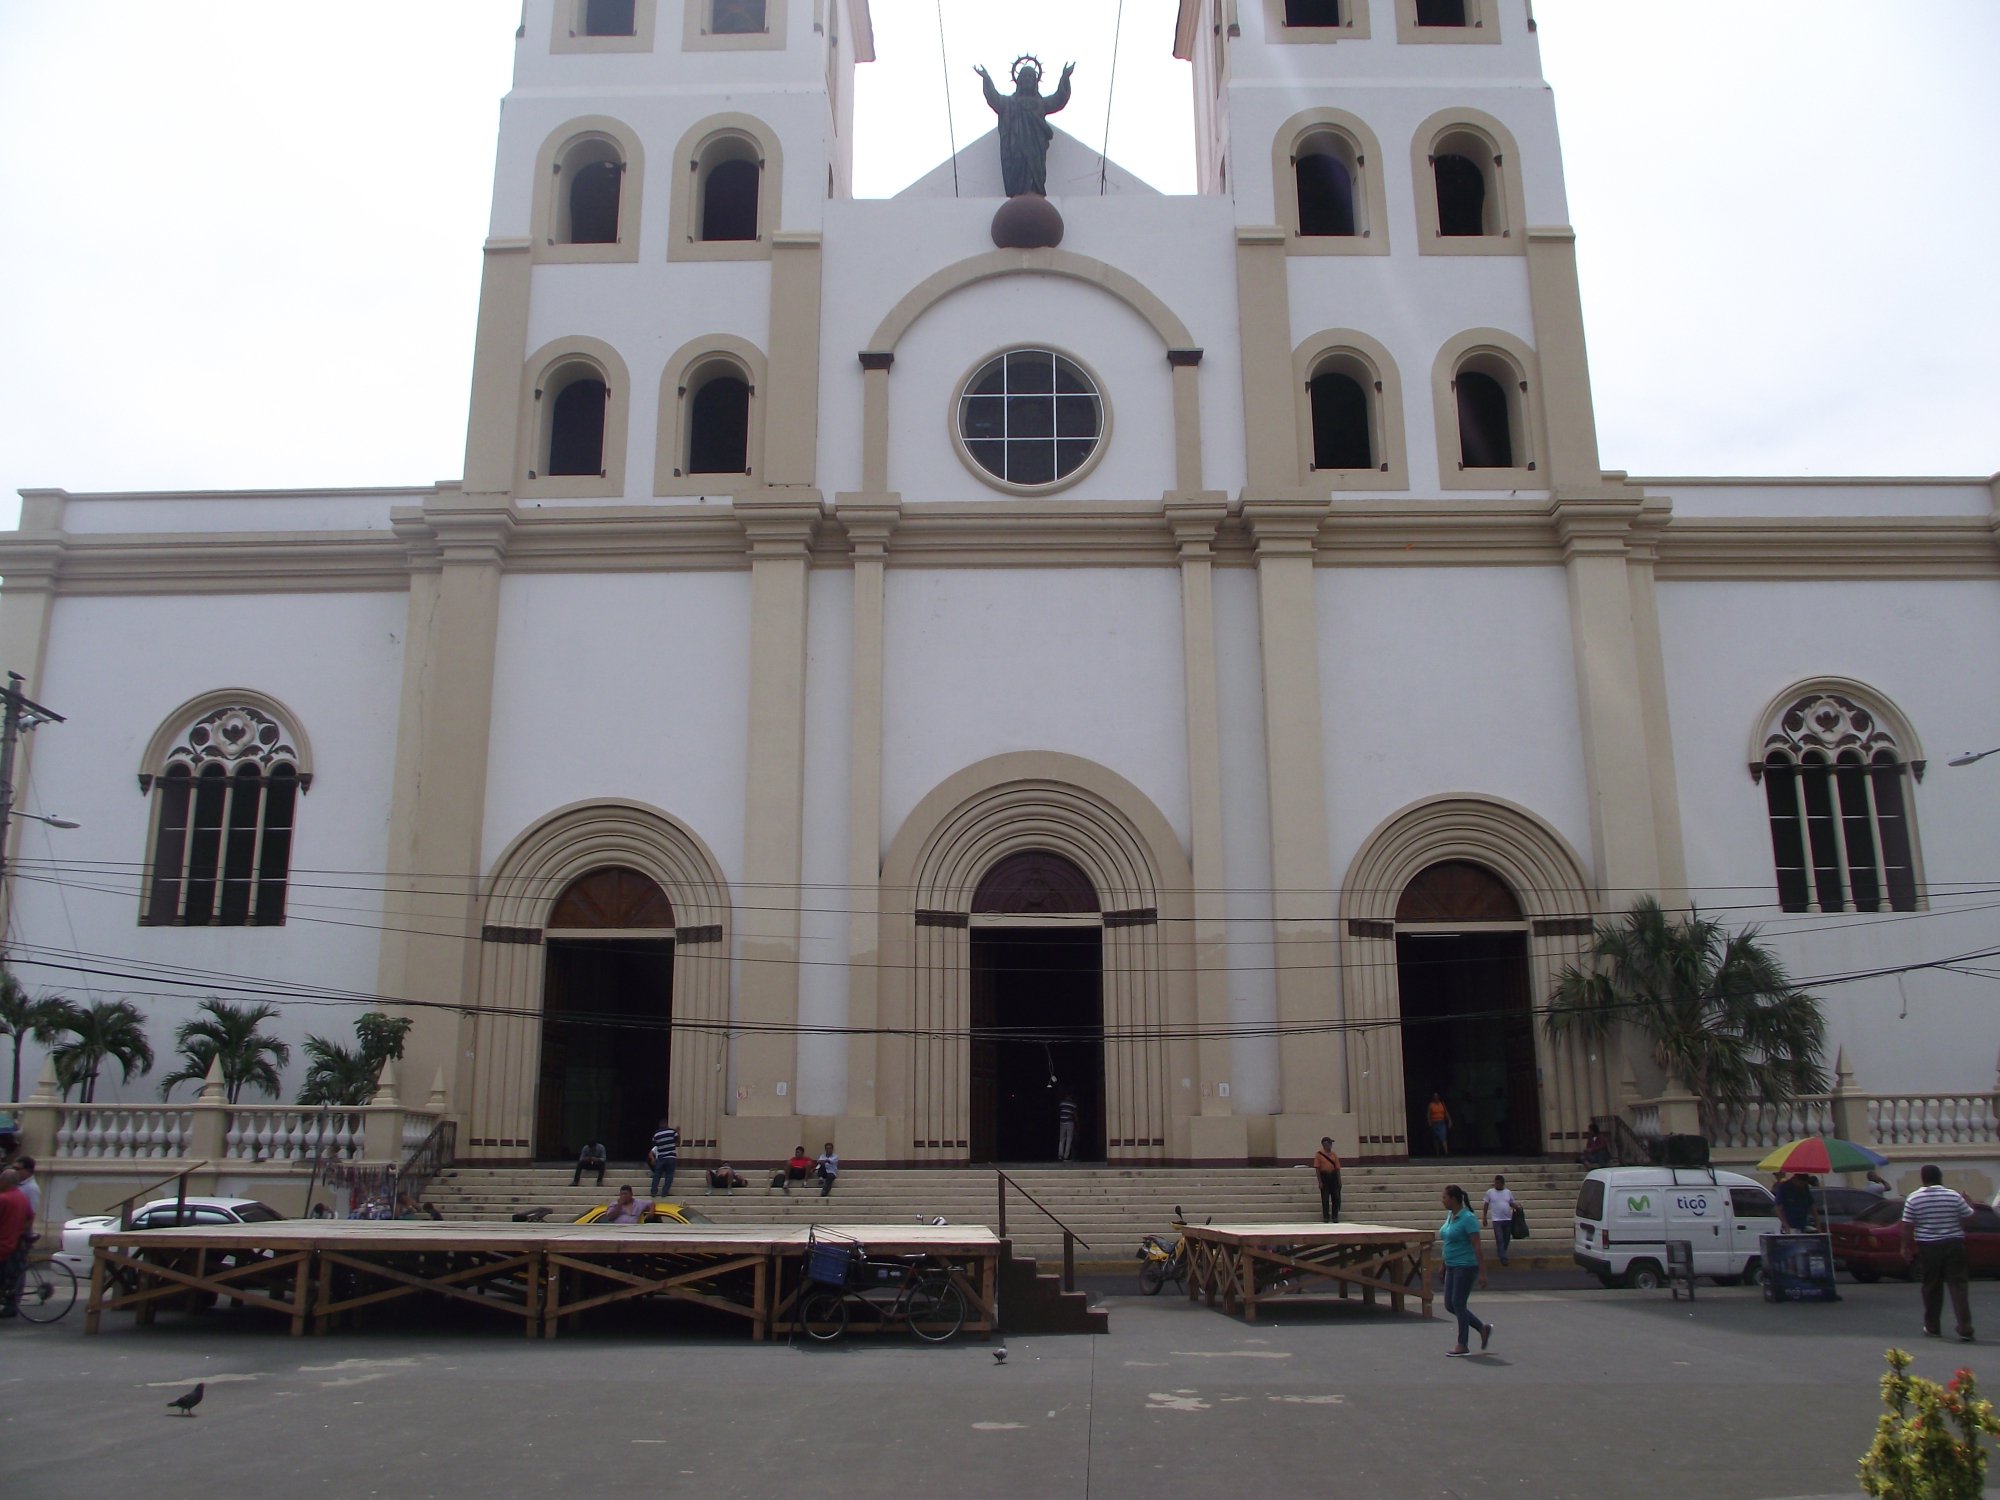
[{"x": 1927, "y": 1444}]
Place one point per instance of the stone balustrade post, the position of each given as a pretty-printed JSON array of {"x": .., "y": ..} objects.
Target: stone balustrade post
[
  {"x": 1847, "y": 1105},
  {"x": 382, "y": 1122},
  {"x": 208, "y": 1129},
  {"x": 41, "y": 1114}
]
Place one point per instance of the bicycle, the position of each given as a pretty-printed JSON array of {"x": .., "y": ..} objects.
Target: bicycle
[
  {"x": 47, "y": 1290},
  {"x": 912, "y": 1290}
]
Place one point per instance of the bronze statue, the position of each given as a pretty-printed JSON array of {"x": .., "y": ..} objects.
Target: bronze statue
[{"x": 1025, "y": 132}]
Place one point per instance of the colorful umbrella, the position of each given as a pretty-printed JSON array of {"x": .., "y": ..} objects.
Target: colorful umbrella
[{"x": 1822, "y": 1153}]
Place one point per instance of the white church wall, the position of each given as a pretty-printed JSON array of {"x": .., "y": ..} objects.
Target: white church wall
[
  {"x": 827, "y": 897},
  {"x": 1447, "y": 682},
  {"x": 246, "y": 510},
  {"x": 1246, "y": 841},
  {"x": 621, "y": 685},
  {"x": 1730, "y": 648},
  {"x": 116, "y": 668},
  {"x": 1085, "y": 661},
  {"x": 1969, "y": 498}
]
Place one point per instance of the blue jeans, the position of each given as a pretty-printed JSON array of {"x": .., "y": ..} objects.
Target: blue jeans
[
  {"x": 663, "y": 1177},
  {"x": 1458, "y": 1284},
  {"x": 1503, "y": 1236}
]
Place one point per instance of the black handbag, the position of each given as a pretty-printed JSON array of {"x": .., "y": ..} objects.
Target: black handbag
[{"x": 1520, "y": 1229}]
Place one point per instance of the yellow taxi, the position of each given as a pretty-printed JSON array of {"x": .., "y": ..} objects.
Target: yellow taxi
[{"x": 655, "y": 1213}]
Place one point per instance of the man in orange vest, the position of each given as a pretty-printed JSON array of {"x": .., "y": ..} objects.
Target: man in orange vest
[
  {"x": 1440, "y": 1119},
  {"x": 1326, "y": 1166}
]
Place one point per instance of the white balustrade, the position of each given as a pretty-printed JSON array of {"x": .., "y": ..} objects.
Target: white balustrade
[
  {"x": 91, "y": 1132},
  {"x": 1934, "y": 1119}
]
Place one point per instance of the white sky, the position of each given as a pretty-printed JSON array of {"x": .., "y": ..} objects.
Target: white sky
[{"x": 213, "y": 216}]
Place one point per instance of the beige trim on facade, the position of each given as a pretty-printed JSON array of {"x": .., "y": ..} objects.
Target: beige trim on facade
[
  {"x": 1547, "y": 879},
  {"x": 1353, "y": 26},
  {"x": 723, "y": 137},
  {"x": 1568, "y": 416},
  {"x": 1110, "y": 830},
  {"x": 492, "y": 431},
  {"x": 1642, "y": 553},
  {"x": 498, "y": 1070},
  {"x": 1358, "y": 149},
  {"x": 791, "y": 439},
  {"x": 1350, "y": 352},
  {"x": 547, "y": 372},
  {"x": 566, "y": 34},
  {"x": 1263, "y": 306},
  {"x": 1509, "y": 361},
  {"x": 1490, "y": 145},
  {"x": 1482, "y": 24},
  {"x": 698, "y": 360},
  {"x": 578, "y": 143},
  {"x": 696, "y": 36}
]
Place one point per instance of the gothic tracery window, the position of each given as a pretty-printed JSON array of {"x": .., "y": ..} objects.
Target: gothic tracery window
[
  {"x": 1836, "y": 785},
  {"x": 226, "y": 797}
]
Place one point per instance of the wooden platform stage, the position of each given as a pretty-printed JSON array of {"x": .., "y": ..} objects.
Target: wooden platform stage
[
  {"x": 316, "y": 1272},
  {"x": 1246, "y": 1265}
]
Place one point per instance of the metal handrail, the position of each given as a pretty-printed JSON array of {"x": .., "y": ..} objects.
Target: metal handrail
[
  {"x": 1071, "y": 1239},
  {"x": 125, "y": 1206},
  {"x": 1628, "y": 1147},
  {"x": 430, "y": 1156}
]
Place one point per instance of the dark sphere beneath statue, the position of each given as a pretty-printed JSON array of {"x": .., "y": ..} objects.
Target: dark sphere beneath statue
[{"x": 1027, "y": 221}]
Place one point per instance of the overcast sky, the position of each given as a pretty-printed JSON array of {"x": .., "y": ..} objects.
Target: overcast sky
[{"x": 212, "y": 217}]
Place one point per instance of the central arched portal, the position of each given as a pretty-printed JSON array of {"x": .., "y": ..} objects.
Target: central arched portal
[
  {"x": 607, "y": 1014},
  {"x": 1037, "y": 1010},
  {"x": 1468, "y": 1029}
]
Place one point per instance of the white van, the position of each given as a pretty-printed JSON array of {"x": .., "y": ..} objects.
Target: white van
[{"x": 1626, "y": 1215}]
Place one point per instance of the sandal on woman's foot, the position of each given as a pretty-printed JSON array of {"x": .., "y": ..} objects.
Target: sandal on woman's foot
[
  {"x": 1485, "y": 1337},
  {"x": 1456, "y": 1353}
]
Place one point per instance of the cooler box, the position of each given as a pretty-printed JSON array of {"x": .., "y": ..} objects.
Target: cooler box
[{"x": 1798, "y": 1268}]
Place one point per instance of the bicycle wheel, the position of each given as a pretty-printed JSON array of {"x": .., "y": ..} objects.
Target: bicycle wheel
[
  {"x": 936, "y": 1309},
  {"x": 823, "y": 1314},
  {"x": 48, "y": 1290}
]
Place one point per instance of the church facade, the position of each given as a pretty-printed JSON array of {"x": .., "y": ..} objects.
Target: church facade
[{"x": 871, "y": 683}]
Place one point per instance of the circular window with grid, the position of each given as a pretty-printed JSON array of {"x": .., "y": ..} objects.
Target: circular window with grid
[{"x": 1031, "y": 418}]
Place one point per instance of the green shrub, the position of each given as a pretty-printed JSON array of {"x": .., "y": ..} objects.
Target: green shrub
[{"x": 1927, "y": 1444}]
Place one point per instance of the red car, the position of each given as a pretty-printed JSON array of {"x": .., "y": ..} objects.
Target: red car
[{"x": 1871, "y": 1246}]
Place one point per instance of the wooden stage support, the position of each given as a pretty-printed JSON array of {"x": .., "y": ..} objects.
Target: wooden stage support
[
  {"x": 1246, "y": 1265},
  {"x": 321, "y": 1272}
]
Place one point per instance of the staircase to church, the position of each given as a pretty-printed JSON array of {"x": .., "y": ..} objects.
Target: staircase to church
[{"x": 1109, "y": 1208}]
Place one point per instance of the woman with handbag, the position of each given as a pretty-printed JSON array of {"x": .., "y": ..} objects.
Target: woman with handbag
[{"x": 1464, "y": 1261}]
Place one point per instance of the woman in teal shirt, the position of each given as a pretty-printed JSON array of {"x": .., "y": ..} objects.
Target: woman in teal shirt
[{"x": 1464, "y": 1261}]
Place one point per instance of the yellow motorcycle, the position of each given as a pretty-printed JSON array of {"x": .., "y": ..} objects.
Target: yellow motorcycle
[{"x": 1163, "y": 1258}]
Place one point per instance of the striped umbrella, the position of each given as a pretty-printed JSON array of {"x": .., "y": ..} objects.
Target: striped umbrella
[{"x": 1822, "y": 1154}]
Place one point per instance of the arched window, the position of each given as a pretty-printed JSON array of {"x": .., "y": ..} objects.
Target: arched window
[
  {"x": 1325, "y": 173},
  {"x": 1485, "y": 422},
  {"x": 1442, "y": 13},
  {"x": 608, "y": 17},
  {"x": 1461, "y": 194},
  {"x": 1313, "y": 12},
  {"x": 593, "y": 203},
  {"x": 575, "y": 399},
  {"x": 589, "y": 174},
  {"x": 729, "y": 199},
  {"x": 225, "y": 786},
  {"x": 718, "y": 421},
  {"x": 1343, "y": 425},
  {"x": 1836, "y": 787},
  {"x": 736, "y": 17}
]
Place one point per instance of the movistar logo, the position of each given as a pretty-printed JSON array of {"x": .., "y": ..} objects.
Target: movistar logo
[{"x": 1643, "y": 1204}]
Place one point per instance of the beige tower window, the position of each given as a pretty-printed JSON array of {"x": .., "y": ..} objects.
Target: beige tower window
[
  {"x": 1469, "y": 198},
  {"x": 726, "y": 202},
  {"x": 1447, "y": 21},
  {"x": 1350, "y": 413},
  {"x": 1343, "y": 417},
  {"x": 711, "y": 433},
  {"x": 225, "y": 776},
  {"x": 734, "y": 25},
  {"x": 603, "y": 26},
  {"x": 1326, "y": 171},
  {"x": 573, "y": 417},
  {"x": 575, "y": 423},
  {"x": 1030, "y": 419},
  {"x": 592, "y": 178},
  {"x": 729, "y": 194},
  {"x": 1325, "y": 175},
  {"x": 609, "y": 17},
  {"x": 718, "y": 424},
  {"x": 587, "y": 193},
  {"x": 1488, "y": 421},
  {"x": 1315, "y": 20},
  {"x": 1837, "y": 789}
]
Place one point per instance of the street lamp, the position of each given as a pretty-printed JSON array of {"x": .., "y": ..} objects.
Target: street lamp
[{"x": 1970, "y": 756}]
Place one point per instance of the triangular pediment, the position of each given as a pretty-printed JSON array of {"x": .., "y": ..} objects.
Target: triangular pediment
[{"x": 1075, "y": 171}]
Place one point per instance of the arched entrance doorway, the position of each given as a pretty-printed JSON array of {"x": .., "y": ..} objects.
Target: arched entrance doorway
[
  {"x": 1468, "y": 1032},
  {"x": 607, "y": 1013},
  {"x": 1037, "y": 1009}
]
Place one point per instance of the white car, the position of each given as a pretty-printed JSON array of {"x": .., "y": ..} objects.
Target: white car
[{"x": 161, "y": 1213}]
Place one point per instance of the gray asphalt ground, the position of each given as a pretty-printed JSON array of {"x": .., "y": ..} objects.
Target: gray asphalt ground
[{"x": 1585, "y": 1393}]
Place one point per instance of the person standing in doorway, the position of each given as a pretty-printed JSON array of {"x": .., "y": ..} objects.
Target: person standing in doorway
[
  {"x": 1934, "y": 1219},
  {"x": 1066, "y": 1113},
  {"x": 1326, "y": 1167},
  {"x": 1440, "y": 1120},
  {"x": 1498, "y": 1210},
  {"x": 664, "y": 1155},
  {"x": 1464, "y": 1261}
]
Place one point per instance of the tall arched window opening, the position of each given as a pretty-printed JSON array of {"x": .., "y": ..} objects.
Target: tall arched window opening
[
  {"x": 1313, "y": 12},
  {"x": 1342, "y": 422},
  {"x": 718, "y": 423},
  {"x": 1461, "y": 194},
  {"x": 593, "y": 203},
  {"x": 729, "y": 199},
  {"x": 1836, "y": 791},
  {"x": 576, "y": 427},
  {"x": 736, "y": 17},
  {"x": 1441, "y": 13},
  {"x": 1485, "y": 436},
  {"x": 1326, "y": 188},
  {"x": 608, "y": 17},
  {"x": 227, "y": 801}
]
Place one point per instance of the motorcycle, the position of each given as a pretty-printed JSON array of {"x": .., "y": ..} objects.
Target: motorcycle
[{"x": 1163, "y": 1258}]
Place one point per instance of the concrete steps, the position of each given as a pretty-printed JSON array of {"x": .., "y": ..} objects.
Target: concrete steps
[{"x": 1107, "y": 1207}]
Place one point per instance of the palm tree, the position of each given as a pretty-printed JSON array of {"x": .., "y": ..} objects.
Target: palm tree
[
  {"x": 336, "y": 1075},
  {"x": 44, "y": 1020},
  {"x": 104, "y": 1029},
  {"x": 1718, "y": 1011},
  {"x": 249, "y": 1056}
]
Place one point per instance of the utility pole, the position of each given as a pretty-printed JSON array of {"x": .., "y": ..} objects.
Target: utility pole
[{"x": 18, "y": 714}]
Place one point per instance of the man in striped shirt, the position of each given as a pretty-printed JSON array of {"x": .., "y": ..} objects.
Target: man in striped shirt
[
  {"x": 664, "y": 1155},
  {"x": 1934, "y": 1220}
]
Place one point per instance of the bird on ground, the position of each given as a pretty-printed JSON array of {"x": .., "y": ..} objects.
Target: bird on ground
[
  {"x": 186, "y": 1404},
  {"x": 999, "y": 1356}
]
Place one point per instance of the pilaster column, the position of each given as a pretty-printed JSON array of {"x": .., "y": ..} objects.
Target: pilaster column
[
  {"x": 457, "y": 547},
  {"x": 1312, "y": 1064},
  {"x": 779, "y": 529},
  {"x": 875, "y": 365},
  {"x": 1216, "y": 1134},
  {"x": 1263, "y": 302},
  {"x": 791, "y": 425},
  {"x": 869, "y": 520},
  {"x": 1559, "y": 351}
]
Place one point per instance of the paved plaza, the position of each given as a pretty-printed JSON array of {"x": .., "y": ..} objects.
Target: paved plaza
[{"x": 1585, "y": 1393}]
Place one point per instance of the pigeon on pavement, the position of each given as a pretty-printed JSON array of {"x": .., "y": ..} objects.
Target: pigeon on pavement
[{"x": 186, "y": 1404}]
